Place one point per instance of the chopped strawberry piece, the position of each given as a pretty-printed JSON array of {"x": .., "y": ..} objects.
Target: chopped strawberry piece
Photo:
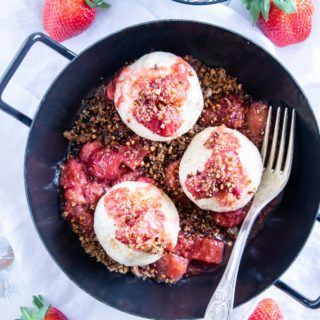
[
  {"x": 78, "y": 189},
  {"x": 229, "y": 111},
  {"x": 256, "y": 119},
  {"x": 208, "y": 250},
  {"x": 75, "y": 195},
  {"x": 132, "y": 157},
  {"x": 73, "y": 174},
  {"x": 231, "y": 218},
  {"x": 172, "y": 267},
  {"x": 105, "y": 165},
  {"x": 89, "y": 149},
  {"x": 111, "y": 88},
  {"x": 184, "y": 247},
  {"x": 267, "y": 309},
  {"x": 172, "y": 176},
  {"x": 108, "y": 164},
  {"x": 93, "y": 191}
]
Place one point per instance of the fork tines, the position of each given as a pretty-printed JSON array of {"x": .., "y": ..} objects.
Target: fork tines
[{"x": 283, "y": 162}]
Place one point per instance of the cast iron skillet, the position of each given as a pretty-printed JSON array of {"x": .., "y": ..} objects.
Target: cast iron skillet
[{"x": 275, "y": 247}]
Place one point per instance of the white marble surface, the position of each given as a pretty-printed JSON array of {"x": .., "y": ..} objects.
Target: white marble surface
[{"x": 34, "y": 271}]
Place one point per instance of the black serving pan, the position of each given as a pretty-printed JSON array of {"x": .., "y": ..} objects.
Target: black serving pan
[{"x": 266, "y": 258}]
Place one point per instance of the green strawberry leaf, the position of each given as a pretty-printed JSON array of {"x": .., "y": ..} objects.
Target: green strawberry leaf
[
  {"x": 288, "y": 6},
  {"x": 38, "y": 314},
  {"x": 254, "y": 8},
  {"x": 265, "y": 8},
  {"x": 97, "y": 4}
]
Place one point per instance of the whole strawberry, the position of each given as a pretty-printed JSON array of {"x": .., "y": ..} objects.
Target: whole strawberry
[
  {"x": 283, "y": 22},
  {"x": 42, "y": 311},
  {"x": 267, "y": 309},
  {"x": 65, "y": 19}
]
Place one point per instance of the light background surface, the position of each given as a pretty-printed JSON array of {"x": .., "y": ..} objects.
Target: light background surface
[{"x": 34, "y": 270}]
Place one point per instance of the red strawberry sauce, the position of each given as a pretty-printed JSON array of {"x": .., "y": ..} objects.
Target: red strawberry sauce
[
  {"x": 139, "y": 220},
  {"x": 222, "y": 174}
]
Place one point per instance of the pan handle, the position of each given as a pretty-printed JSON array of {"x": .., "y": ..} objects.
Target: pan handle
[
  {"x": 8, "y": 74},
  {"x": 312, "y": 304}
]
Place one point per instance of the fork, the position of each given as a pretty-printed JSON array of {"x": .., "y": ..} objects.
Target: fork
[{"x": 276, "y": 172}]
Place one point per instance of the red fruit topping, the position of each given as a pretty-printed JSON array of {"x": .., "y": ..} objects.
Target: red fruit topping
[
  {"x": 159, "y": 98},
  {"x": 172, "y": 267},
  {"x": 229, "y": 111},
  {"x": 231, "y": 218},
  {"x": 256, "y": 119},
  {"x": 208, "y": 250},
  {"x": 139, "y": 221}
]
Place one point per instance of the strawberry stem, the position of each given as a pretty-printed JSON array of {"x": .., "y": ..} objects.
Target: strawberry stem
[
  {"x": 97, "y": 4},
  {"x": 39, "y": 313}
]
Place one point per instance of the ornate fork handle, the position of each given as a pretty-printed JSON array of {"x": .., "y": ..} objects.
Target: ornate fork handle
[{"x": 221, "y": 303}]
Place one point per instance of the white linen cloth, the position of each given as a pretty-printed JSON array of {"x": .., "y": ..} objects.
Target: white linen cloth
[{"x": 34, "y": 270}]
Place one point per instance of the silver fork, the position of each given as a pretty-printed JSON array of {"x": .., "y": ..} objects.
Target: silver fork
[{"x": 274, "y": 178}]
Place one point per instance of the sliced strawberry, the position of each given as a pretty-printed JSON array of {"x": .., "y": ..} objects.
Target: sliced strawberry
[
  {"x": 267, "y": 309},
  {"x": 208, "y": 250},
  {"x": 172, "y": 267}
]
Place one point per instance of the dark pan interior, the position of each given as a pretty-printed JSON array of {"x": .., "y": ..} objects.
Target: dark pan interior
[{"x": 266, "y": 258}]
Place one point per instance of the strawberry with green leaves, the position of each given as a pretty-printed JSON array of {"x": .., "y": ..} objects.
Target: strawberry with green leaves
[
  {"x": 65, "y": 19},
  {"x": 267, "y": 309},
  {"x": 41, "y": 312},
  {"x": 284, "y": 22}
]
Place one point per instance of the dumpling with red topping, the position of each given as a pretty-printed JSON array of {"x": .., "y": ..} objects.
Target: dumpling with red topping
[
  {"x": 136, "y": 223},
  {"x": 220, "y": 170},
  {"x": 158, "y": 96}
]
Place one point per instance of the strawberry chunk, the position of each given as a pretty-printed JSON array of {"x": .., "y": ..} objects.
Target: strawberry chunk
[
  {"x": 132, "y": 157},
  {"x": 105, "y": 165},
  {"x": 89, "y": 149},
  {"x": 78, "y": 189},
  {"x": 229, "y": 111},
  {"x": 256, "y": 119},
  {"x": 208, "y": 250},
  {"x": 111, "y": 88},
  {"x": 184, "y": 247},
  {"x": 172, "y": 176},
  {"x": 108, "y": 164},
  {"x": 231, "y": 218},
  {"x": 73, "y": 174},
  {"x": 172, "y": 267}
]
